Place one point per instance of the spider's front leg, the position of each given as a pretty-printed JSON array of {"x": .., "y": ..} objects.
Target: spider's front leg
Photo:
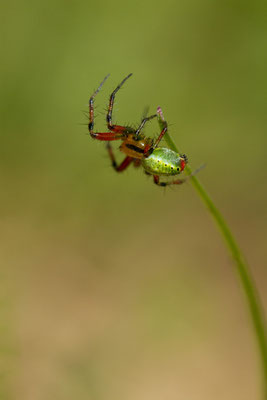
[
  {"x": 106, "y": 136},
  {"x": 117, "y": 129}
]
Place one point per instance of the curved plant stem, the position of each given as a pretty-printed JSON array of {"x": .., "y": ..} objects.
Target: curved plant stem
[{"x": 242, "y": 268}]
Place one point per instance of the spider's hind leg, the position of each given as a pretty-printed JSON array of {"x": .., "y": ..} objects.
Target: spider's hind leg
[{"x": 175, "y": 182}]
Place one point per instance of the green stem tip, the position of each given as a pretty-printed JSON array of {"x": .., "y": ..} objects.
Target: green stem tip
[{"x": 249, "y": 288}]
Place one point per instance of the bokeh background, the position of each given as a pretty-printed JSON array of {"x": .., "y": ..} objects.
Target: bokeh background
[{"x": 112, "y": 288}]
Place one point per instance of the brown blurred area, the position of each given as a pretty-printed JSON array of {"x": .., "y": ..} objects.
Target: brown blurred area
[{"x": 112, "y": 288}]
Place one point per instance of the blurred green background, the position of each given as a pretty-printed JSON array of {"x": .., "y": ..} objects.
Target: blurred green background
[{"x": 112, "y": 288}]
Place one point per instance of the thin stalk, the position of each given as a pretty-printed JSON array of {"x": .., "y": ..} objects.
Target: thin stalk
[{"x": 242, "y": 268}]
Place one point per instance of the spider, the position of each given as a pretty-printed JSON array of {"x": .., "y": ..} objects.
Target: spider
[{"x": 139, "y": 149}]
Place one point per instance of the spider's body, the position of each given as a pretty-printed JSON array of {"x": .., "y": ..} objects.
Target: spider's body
[
  {"x": 133, "y": 147},
  {"x": 139, "y": 149},
  {"x": 163, "y": 161}
]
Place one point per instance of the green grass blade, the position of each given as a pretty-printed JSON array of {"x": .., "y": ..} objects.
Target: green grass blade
[{"x": 242, "y": 268}]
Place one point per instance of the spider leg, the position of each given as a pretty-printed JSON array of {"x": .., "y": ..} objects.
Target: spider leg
[
  {"x": 99, "y": 135},
  {"x": 145, "y": 112},
  {"x": 117, "y": 128},
  {"x": 151, "y": 148},
  {"x": 137, "y": 162},
  {"x": 175, "y": 182},
  {"x": 141, "y": 126},
  {"x": 91, "y": 106},
  {"x": 106, "y": 136},
  {"x": 124, "y": 164},
  {"x": 162, "y": 133}
]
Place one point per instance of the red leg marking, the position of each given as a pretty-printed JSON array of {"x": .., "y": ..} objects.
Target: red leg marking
[
  {"x": 121, "y": 129},
  {"x": 149, "y": 149},
  {"x": 156, "y": 179},
  {"x": 162, "y": 133},
  {"x": 164, "y": 130},
  {"x": 106, "y": 136},
  {"x": 125, "y": 163}
]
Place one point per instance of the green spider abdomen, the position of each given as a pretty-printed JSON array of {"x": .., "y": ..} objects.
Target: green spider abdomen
[{"x": 163, "y": 161}]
